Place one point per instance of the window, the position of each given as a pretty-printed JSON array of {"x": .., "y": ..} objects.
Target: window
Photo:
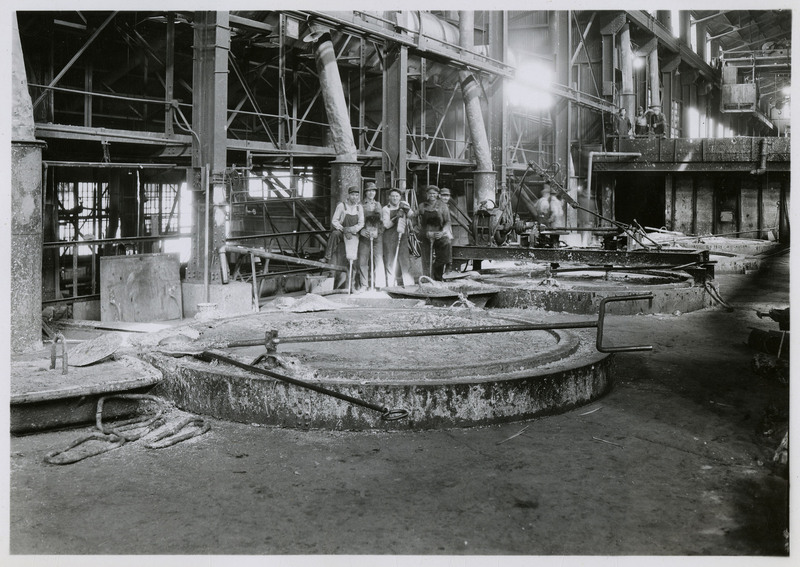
[
  {"x": 80, "y": 215},
  {"x": 281, "y": 183},
  {"x": 675, "y": 120}
]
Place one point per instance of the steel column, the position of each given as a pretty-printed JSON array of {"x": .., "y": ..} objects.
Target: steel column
[
  {"x": 209, "y": 140},
  {"x": 395, "y": 115},
  {"x": 26, "y": 212}
]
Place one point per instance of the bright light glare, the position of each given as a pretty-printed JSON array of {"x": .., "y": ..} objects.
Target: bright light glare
[
  {"x": 787, "y": 90},
  {"x": 638, "y": 62},
  {"x": 529, "y": 87},
  {"x": 694, "y": 123}
]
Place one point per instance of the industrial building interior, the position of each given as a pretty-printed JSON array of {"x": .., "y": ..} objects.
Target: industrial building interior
[{"x": 600, "y": 367}]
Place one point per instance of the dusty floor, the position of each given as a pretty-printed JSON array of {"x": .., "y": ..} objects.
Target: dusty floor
[{"x": 677, "y": 460}]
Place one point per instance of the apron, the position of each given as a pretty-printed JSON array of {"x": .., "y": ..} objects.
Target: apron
[{"x": 350, "y": 240}]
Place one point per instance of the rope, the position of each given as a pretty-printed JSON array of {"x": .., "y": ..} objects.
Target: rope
[
  {"x": 713, "y": 291},
  {"x": 119, "y": 434}
]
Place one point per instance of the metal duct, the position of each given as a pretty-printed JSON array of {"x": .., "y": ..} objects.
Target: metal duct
[
  {"x": 485, "y": 180},
  {"x": 338, "y": 118},
  {"x": 655, "y": 79},
  {"x": 627, "y": 96},
  {"x": 333, "y": 97},
  {"x": 762, "y": 168}
]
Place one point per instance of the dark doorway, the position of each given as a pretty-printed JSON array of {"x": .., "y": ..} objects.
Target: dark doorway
[{"x": 640, "y": 197}]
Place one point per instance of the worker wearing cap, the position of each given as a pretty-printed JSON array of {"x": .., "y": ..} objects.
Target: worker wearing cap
[
  {"x": 444, "y": 196},
  {"x": 347, "y": 221},
  {"x": 657, "y": 121},
  {"x": 432, "y": 219},
  {"x": 370, "y": 245},
  {"x": 396, "y": 257}
]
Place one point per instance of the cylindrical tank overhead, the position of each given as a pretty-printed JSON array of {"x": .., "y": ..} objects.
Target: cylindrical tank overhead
[{"x": 26, "y": 211}]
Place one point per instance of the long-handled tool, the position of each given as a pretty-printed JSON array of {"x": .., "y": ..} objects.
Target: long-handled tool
[
  {"x": 350, "y": 278},
  {"x": 394, "y": 262},
  {"x": 386, "y": 413},
  {"x": 430, "y": 257},
  {"x": 371, "y": 265},
  {"x": 351, "y": 253},
  {"x": 270, "y": 341}
]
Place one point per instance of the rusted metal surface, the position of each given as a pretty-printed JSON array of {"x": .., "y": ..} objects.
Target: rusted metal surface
[
  {"x": 140, "y": 288},
  {"x": 252, "y": 399},
  {"x": 441, "y": 381}
]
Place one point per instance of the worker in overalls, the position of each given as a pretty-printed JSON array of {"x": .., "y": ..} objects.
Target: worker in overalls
[
  {"x": 395, "y": 241},
  {"x": 347, "y": 221},
  {"x": 432, "y": 220},
  {"x": 370, "y": 245}
]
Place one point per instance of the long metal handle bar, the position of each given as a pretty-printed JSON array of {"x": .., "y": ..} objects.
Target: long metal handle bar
[
  {"x": 387, "y": 414},
  {"x": 271, "y": 339}
]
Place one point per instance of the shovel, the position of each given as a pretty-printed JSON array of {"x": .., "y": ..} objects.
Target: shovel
[
  {"x": 350, "y": 278},
  {"x": 394, "y": 262},
  {"x": 371, "y": 266},
  {"x": 430, "y": 258}
]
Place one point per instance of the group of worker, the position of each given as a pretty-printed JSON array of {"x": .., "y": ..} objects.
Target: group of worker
[
  {"x": 646, "y": 123},
  {"x": 372, "y": 241}
]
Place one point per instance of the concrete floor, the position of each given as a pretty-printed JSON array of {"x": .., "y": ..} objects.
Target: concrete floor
[{"x": 675, "y": 461}]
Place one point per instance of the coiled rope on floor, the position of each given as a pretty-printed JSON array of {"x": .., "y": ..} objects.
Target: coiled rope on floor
[
  {"x": 713, "y": 292},
  {"x": 131, "y": 430}
]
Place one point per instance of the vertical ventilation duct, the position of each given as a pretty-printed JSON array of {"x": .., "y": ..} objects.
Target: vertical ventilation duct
[
  {"x": 485, "y": 179},
  {"x": 346, "y": 170},
  {"x": 627, "y": 96}
]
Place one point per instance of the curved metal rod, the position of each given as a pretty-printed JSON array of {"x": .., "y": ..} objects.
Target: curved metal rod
[{"x": 601, "y": 320}]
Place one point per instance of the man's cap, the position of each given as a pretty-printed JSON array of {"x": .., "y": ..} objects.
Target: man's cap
[
  {"x": 395, "y": 190},
  {"x": 430, "y": 188},
  {"x": 370, "y": 186},
  {"x": 444, "y": 191},
  {"x": 353, "y": 189}
]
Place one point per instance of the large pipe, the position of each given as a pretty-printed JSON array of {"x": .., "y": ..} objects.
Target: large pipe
[
  {"x": 762, "y": 168},
  {"x": 336, "y": 111},
  {"x": 26, "y": 211},
  {"x": 485, "y": 178},
  {"x": 655, "y": 79},
  {"x": 627, "y": 96}
]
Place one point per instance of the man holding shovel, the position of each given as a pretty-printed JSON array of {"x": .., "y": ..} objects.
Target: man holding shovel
[
  {"x": 370, "y": 246},
  {"x": 348, "y": 219},
  {"x": 434, "y": 230},
  {"x": 395, "y": 241}
]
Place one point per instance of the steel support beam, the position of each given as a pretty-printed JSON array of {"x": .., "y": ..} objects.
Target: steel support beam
[
  {"x": 421, "y": 45},
  {"x": 75, "y": 57},
  {"x": 395, "y": 115},
  {"x": 582, "y": 255}
]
